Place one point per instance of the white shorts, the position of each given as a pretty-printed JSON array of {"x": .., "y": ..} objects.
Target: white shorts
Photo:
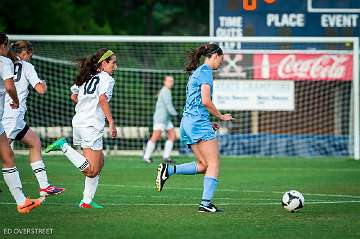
[
  {"x": 163, "y": 127},
  {"x": 88, "y": 137},
  {"x": 14, "y": 124}
]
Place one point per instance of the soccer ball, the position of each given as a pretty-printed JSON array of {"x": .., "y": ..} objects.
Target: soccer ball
[{"x": 293, "y": 201}]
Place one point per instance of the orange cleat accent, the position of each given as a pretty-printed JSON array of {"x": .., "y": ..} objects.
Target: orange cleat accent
[
  {"x": 85, "y": 205},
  {"x": 29, "y": 205}
]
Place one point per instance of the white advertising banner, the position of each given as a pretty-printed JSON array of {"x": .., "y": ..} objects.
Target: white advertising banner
[{"x": 263, "y": 95}]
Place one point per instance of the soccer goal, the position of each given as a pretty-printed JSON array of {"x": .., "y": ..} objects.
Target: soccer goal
[{"x": 290, "y": 96}]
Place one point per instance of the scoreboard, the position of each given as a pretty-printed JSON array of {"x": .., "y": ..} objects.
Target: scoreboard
[{"x": 284, "y": 18}]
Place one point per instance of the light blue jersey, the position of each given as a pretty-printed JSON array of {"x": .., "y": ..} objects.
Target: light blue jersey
[
  {"x": 193, "y": 105},
  {"x": 195, "y": 124}
]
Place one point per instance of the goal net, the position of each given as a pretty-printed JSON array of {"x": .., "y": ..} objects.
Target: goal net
[{"x": 289, "y": 96}]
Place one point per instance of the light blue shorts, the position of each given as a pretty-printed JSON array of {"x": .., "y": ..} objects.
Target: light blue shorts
[{"x": 196, "y": 128}]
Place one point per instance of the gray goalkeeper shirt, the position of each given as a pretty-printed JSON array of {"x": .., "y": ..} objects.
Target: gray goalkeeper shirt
[{"x": 164, "y": 107}]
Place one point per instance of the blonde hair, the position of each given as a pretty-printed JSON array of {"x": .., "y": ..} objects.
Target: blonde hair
[{"x": 21, "y": 46}]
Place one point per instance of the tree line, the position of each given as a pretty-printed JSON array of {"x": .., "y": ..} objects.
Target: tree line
[{"x": 105, "y": 17}]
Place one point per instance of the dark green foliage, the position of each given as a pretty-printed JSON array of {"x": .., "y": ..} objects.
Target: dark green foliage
[{"x": 107, "y": 17}]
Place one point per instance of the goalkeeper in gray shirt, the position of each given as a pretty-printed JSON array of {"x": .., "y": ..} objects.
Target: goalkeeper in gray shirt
[{"x": 164, "y": 109}]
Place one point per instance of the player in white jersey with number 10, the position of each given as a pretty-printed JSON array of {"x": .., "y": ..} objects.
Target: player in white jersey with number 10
[
  {"x": 91, "y": 93},
  {"x": 14, "y": 119}
]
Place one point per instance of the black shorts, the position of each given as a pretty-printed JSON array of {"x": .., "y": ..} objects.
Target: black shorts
[{"x": 22, "y": 133}]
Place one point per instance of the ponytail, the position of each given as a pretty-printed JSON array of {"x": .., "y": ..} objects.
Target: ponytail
[
  {"x": 194, "y": 58},
  {"x": 195, "y": 54},
  {"x": 88, "y": 66}
]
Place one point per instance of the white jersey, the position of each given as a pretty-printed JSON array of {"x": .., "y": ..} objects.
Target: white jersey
[
  {"x": 6, "y": 72},
  {"x": 88, "y": 110},
  {"x": 24, "y": 75}
]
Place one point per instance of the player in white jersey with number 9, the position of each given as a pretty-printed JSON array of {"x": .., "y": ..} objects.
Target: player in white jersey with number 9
[
  {"x": 9, "y": 170},
  {"x": 14, "y": 119},
  {"x": 91, "y": 93}
]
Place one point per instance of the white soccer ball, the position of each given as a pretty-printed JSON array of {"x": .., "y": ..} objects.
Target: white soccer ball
[{"x": 293, "y": 201}]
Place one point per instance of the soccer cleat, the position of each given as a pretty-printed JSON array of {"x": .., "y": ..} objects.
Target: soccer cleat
[
  {"x": 91, "y": 205},
  {"x": 85, "y": 205},
  {"x": 149, "y": 160},
  {"x": 57, "y": 145},
  {"x": 29, "y": 205},
  {"x": 210, "y": 208},
  {"x": 51, "y": 190},
  {"x": 162, "y": 176}
]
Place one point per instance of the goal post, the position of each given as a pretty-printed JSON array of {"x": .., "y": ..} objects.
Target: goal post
[{"x": 291, "y": 96}]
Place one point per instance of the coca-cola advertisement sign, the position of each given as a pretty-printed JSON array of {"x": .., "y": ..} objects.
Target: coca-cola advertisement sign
[{"x": 303, "y": 67}]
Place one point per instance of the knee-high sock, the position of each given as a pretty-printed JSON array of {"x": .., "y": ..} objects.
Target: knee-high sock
[
  {"x": 12, "y": 180},
  {"x": 77, "y": 159},
  {"x": 90, "y": 188},
  {"x": 39, "y": 170},
  {"x": 150, "y": 146},
  {"x": 210, "y": 184},
  {"x": 168, "y": 148},
  {"x": 184, "y": 169}
]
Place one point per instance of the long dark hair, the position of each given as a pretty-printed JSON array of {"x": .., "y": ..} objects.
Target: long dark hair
[
  {"x": 195, "y": 54},
  {"x": 3, "y": 38},
  {"x": 89, "y": 66}
]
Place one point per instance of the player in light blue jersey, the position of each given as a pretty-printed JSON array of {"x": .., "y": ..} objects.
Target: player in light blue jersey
[
  {"x": 196, "y": 129},
  {"x": 164, "y": 109}
]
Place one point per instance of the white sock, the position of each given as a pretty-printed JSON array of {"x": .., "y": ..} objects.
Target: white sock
[
  {"x": 168, "y": 148},
  {"x": 76, "y": 158},
  {"x": 150, "y": 146},
  {"x": 38, "y": 168},
  {"x": 12, "y": 180},
  {"x": 90, "y": 188}
]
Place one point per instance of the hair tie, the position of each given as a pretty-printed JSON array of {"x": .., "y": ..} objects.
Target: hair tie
[{"x": 105, "y": 56}]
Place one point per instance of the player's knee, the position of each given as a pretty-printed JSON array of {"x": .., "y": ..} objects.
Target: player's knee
[
  {"x": 154, "y": 138},
  {"x": 213, "y": 164},
  {"x": 172, "y": 137},
  {"x": 201, "y": 168},
  {"x": 35, "y": 143}
]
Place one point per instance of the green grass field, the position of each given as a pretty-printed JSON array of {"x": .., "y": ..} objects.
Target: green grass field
[{"x": 249, "y": 191}]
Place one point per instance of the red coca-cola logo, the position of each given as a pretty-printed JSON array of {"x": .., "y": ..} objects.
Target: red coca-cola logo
[
  {"x": 323, "y": 67},
  {"x": 303, "y": 66}
]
